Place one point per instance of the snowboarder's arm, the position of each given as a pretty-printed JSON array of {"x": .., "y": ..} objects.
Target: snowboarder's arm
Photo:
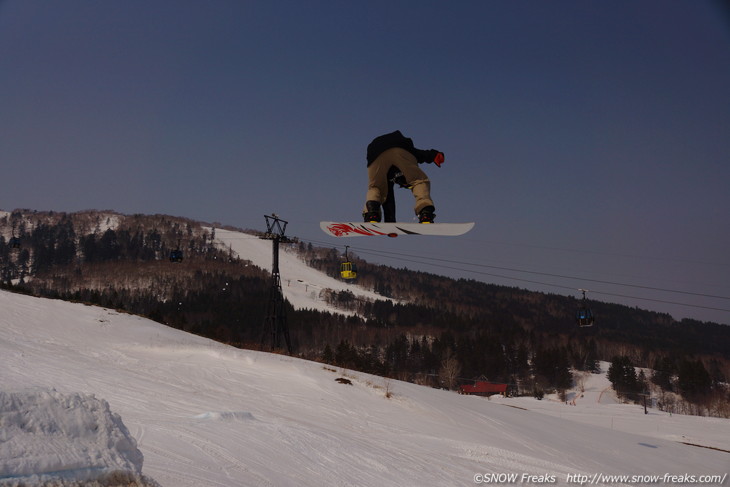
[{"x": 429, "y": 156}]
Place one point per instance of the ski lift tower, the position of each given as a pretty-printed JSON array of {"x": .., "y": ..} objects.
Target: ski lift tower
[{"x": 275, "y": 326}]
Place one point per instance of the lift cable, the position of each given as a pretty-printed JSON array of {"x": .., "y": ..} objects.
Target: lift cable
[
  {"x": 562, "y": 286},
  {"x": 409, "y": 258},
  {"x": 561, "y": 276}
]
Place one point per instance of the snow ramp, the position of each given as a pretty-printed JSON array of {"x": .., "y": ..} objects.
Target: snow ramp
[{"x": 53, "y": 439}]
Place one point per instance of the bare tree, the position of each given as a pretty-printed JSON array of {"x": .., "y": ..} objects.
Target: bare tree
[{"x": 450, "y": 369}]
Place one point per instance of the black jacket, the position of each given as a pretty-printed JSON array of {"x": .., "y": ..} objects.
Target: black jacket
[{"x": 397, "y": 139}]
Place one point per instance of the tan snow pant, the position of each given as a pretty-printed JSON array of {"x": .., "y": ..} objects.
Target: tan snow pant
[{"x": 408, "y": 165}]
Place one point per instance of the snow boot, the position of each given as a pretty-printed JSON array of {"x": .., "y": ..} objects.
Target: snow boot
[
  {"x": 426, "y": 215},
  {"x": 372, "y": 212}
]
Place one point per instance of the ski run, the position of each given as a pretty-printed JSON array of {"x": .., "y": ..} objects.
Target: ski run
[{"x": 92, "y": 396}]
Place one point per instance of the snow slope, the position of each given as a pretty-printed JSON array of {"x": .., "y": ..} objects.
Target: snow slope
[
  {"x": 204, "y": 414},
  {"x": 300, "y": 284},
  {"x": 598, "y": 405}
]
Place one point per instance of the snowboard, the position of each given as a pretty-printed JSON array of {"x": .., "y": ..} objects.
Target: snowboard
[{"x": 351, "y": 229}]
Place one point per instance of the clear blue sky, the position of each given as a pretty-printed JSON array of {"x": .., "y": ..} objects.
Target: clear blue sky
[{"x": 585, "y": 139}]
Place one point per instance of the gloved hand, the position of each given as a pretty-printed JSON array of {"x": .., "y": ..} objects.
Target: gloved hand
[
  {"x": 439, "y": 159},
  {"x": 432, "y": 155},
  {"x": 429, "y": 156}
]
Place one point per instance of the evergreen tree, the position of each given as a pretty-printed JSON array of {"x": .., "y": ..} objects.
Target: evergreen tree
[
  {"x": 622, "y": 375},
  {"x": 693, "y": 379},
  {"x": 396, "y": 354},
  {"x": 430, "y": 359},
  {"x": 345, "y": 355},
  {"x": 109, "y": 248},
  {"x": 552, "y": 366},
  {"x": 662, "y": 373},
  {"x": 592, "y": 363},
  {"x": 327, "y": 356}
]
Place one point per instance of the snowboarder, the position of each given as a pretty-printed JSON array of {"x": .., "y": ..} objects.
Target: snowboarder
[{"x": 390, "y": 151}]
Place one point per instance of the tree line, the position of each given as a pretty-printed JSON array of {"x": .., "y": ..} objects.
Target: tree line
[{"x": 525, "y": 339}]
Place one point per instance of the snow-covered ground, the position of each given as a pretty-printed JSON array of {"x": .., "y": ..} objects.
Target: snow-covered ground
[
  {"x": 204, "y": 414},
  {"x": 598, "y": 405}
]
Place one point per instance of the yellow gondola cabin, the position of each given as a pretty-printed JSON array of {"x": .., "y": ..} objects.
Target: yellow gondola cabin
[
  {"x": 348, "y": 271},
  {"x": 347, "y": 268}
]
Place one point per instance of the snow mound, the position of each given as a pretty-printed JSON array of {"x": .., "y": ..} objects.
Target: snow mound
[
  {"x": 226, "y": 416},
  {"x": 49, "y": 438}
]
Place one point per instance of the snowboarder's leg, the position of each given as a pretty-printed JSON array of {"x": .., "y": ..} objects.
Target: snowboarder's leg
[
  {"x": 377, "y": 180},
  {"x": 377, "y": 189},
  {"x": 422, "y": 192},
  {"x": 416, "y": 178},
  {"x": 426, "y": 214},
  {"x": 371, "y": 213}
]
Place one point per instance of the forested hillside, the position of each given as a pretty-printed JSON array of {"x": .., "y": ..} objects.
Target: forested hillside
[{"x": 439, "y": 331}]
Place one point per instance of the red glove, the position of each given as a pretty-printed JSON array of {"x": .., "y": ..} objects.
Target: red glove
[{"x": 439, "y": 159}]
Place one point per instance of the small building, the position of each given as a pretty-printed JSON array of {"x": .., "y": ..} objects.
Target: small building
[{"x": 483, "y": 388}]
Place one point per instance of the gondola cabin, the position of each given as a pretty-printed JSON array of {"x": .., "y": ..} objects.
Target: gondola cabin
[
  {"x": 176, "y": 256},
  {"x": 348, "y": 270},
  {"x": 584, "y": 317}
]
